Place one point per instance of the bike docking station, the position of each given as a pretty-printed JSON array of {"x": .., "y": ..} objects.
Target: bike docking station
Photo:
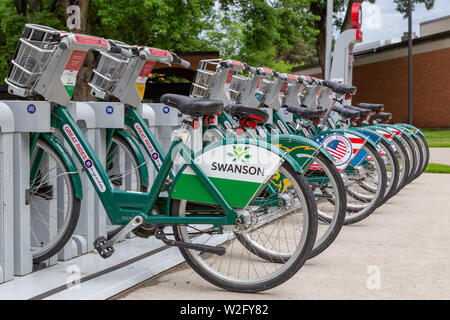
[
  {"x": 74, "y": 272},
  {"x": 85, "y": 216},
  {"x": 136, "y": 259},
  {"x": 6, "y": 193},
  {"x": 29, "y": 117},
  {"x": 93, "y": 118}
]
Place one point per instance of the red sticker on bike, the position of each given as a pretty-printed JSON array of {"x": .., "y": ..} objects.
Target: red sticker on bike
[{"x": 91, "y": 40}]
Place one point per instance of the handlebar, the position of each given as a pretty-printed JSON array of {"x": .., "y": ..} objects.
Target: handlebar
[
  {"x": 232, "y": 64},
  {"x": 122, "y": 49},
  {"x": 181, "y": 62},
  {"x": 251, "y": 69}
]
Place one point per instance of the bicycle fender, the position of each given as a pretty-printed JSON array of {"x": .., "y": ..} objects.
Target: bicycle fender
[
  {"x": 237, "y": 167},
  {"x": 411, "y": 128},
  {"x": 374, "y": 136},
  {"x": 139, "y": 156},
  {"x": 350, "y": 143},
  {"x": 68, "y": 161},
  {"x": 398, "y": 130},
  {"x": 297, "y": 146}
]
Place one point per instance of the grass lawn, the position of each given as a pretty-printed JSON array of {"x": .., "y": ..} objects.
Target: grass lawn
[
  {"x": 437, "y": 168},
  {"x": 437, "y": 138}
]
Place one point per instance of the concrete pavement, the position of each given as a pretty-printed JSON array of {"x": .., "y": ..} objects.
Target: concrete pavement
[
  {"x": 402, "y": 251},
  {"x": 440, "y": 155}
]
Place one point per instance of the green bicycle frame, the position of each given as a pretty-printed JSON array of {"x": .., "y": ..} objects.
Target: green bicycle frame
[{"x": 122, "y": 206}]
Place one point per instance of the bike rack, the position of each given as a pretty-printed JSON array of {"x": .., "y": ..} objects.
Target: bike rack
[
  {"x": 147, "y": 112},
  {"x": 286, "y": 115},
  {"x": 28, "y": 117},
  {"x": 108, "y": 115},
  {"x": 169, "y": 119},
  {"x": 6, "y": 193},
  {"x": 84, "y": 236}
]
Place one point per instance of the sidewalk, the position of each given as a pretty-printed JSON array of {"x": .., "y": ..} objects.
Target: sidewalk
[
  {"x": 401, "y": 252},
  {"x": 440, "y": 155}
]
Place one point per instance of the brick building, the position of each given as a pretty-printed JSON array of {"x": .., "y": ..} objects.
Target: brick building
[{"x": 381, "y": 75}]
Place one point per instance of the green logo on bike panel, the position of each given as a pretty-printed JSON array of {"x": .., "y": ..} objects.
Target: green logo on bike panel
[{"x": 239, "y": 154}]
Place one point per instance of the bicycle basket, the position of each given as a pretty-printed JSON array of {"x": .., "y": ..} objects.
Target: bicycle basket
[
  {"x": 36, "y": 46},
  {"x": 263, "y": 89},
  {"x": 108, "y": 70},
  {"x": 237, "y": 86},
  {"x": 204, "y": 78}
]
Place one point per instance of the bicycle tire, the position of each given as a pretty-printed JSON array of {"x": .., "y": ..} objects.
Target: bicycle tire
[
  {"x": 288, "y": 269},
  {"x": 73, "y": 213},
  {"x": 364, "y": 211}
]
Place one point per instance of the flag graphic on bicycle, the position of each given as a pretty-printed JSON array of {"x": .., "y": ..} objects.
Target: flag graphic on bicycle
[
  {"x": 342, "y": 147},
  {"x": 337, "y": 149}
]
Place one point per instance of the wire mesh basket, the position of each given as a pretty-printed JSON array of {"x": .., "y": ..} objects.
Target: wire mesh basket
[
  {"x": 36, "y": 46},
  {"x": 108, "y": 70},
  {"x": 237, "y": 86},
  {"x": 264, "y": 89},
  {"x": 324, "y": 98},
  {"x": 204, "y": 78}
]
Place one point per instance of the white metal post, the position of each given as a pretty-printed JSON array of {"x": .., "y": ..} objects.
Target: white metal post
[{"x": 329, "y": 37}]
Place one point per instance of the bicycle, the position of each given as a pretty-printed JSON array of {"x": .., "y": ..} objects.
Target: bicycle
[
  {"x": 287, "y": 93},
  {"x": 206, "y": 220},
  {"x": 224, "y": 80}
]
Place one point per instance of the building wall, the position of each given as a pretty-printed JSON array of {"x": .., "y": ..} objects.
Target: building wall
[
  {"x": 382, "y": 77},
  {"x": 386, "y": 82},
  {"x": 435, "y": 26}
]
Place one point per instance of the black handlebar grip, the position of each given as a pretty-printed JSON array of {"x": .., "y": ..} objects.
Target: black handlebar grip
[
  {"x": 252, "y": 70},
  {"x": 181, "y": 62},
  {"x": 126, "y": 53}
]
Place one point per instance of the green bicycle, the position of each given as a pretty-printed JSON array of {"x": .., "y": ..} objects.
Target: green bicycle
[{"x": 218, "y": 208}]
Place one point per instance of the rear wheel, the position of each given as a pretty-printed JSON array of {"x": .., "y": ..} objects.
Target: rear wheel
[{"x": 274, "y": 245}]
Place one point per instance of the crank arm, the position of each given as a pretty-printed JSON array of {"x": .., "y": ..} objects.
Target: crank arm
[
  {"x": 130, "y": 226},
  {"x": 159, "y": 234}
]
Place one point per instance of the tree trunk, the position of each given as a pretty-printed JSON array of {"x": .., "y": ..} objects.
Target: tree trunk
[
  {"x": 321, "y": 37},
  {"x": 32, "y": 8},
  {"x": 21, "y": 7},
  {"x": 82, "y": 89},
  {"x": 348, "y": 15}
]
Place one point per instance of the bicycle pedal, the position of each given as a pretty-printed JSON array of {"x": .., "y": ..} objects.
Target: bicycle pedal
[{"x": 104, "y": 249}]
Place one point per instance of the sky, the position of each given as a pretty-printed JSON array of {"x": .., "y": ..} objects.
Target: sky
[{"x": 382, "y": 21}]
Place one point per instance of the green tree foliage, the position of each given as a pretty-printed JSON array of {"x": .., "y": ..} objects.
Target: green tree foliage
[
  {"x": 260, "y": 31},
  {"x": 168, "y": 24},
  {"x": 319, "y": 8},
  {"x": 12, "y": 22}
]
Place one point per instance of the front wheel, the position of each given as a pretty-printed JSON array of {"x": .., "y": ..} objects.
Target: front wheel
[
  {"x": 275, "y": 245},
  {"x": 54, "y": 208},
  {"x": 369, "y": 174},
  {"x": 331, "y": 200}
]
